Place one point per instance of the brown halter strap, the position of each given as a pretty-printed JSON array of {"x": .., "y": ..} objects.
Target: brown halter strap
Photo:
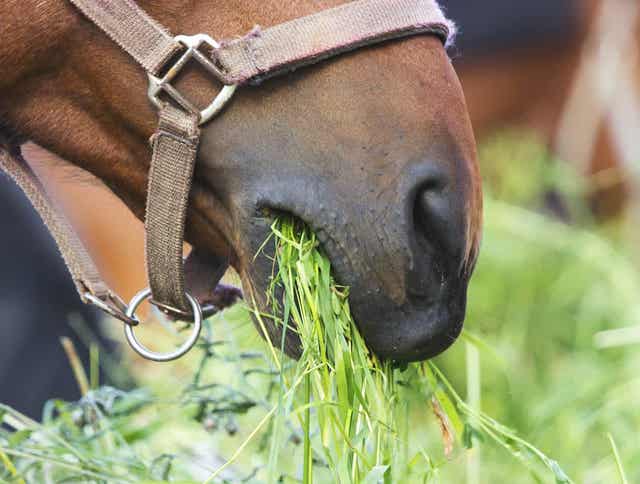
[{"x": 258, "y": 55}]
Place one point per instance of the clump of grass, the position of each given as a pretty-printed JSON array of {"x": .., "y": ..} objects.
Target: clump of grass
[
  {"x": 338, "y": 414},
  {"x": 348, "y": 393},
  {"x": 353, "y": 409}
]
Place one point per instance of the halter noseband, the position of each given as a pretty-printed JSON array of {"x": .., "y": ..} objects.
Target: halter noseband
[{"x": 259, "y": 55}]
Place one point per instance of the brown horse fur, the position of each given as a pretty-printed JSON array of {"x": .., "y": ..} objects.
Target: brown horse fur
[{"x": 373, "y": 149}]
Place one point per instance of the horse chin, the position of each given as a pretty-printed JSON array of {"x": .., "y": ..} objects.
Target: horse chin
[
  {"x": 411, "y": 333},
  {"x": 416, "y": 329}
]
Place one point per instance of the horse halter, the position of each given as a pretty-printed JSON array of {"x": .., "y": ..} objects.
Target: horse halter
[{"x": 250, "y": 59}]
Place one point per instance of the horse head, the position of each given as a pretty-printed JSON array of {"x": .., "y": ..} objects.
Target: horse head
[{"x": 373, "y": 150}]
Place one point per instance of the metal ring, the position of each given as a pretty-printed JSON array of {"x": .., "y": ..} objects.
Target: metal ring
[{"x": 152, "y": 355}]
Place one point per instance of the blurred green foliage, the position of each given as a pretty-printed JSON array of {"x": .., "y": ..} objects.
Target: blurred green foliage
[{"x": 545, "y": 288}]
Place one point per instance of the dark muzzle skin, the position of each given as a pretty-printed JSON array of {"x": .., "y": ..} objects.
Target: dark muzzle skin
[{"x": 374, "y": 151}]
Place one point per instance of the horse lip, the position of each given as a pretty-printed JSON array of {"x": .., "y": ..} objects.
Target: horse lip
[
  {"x": 322, "y": 227},
  {"x": 423, "y": 327},
  {"x": 411, "y": 332},
  {"x": 434, "y": 325}
]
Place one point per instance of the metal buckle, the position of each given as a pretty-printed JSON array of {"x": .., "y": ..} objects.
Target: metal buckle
[
  {"x": 158, "y": 85},
  {"x": 113, "y": 307},
  {"x": 152, "y": 355}
]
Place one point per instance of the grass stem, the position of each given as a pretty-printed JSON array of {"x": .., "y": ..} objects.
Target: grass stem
[
  {"x": 76, "y": 365},
  {"x": 616, "y": 455},
  {"x": 308, "y": 463}
]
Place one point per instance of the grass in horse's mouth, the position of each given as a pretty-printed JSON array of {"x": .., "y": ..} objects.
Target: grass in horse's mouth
[
  {"x": 352, "y": 418},
  {"x": 353, "y": 409}
]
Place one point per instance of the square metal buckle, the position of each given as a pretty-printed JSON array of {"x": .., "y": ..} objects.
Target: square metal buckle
[{"x": 157, "y": 85}]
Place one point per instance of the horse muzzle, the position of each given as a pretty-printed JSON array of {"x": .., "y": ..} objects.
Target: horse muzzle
[{"x": 404, "y": 253}]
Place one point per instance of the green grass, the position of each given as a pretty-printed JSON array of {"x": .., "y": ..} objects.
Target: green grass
[
  {"x": 542, "y": 353},
  {"x": 361, "y": 406},
  {"x": 351, "y": 414}
]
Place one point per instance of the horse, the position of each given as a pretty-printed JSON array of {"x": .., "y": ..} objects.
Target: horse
[
  {"x": 374, "y": 150},
  {"x": 518, "y": 67}
]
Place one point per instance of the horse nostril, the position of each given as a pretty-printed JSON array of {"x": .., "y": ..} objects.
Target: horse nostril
[{"x": 436, "y": 217}]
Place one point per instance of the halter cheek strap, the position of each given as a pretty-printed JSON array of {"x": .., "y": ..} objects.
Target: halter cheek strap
[{"x": 259, "y": 55}]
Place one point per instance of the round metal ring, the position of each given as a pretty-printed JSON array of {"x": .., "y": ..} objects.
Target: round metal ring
[{"x": 152, "y": 355}]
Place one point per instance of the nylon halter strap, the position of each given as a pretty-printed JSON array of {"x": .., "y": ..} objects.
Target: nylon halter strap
[{"x": 250, "y": 59}]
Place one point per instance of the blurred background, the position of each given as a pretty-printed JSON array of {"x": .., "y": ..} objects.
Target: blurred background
[{"x": 553, "y": 89}]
